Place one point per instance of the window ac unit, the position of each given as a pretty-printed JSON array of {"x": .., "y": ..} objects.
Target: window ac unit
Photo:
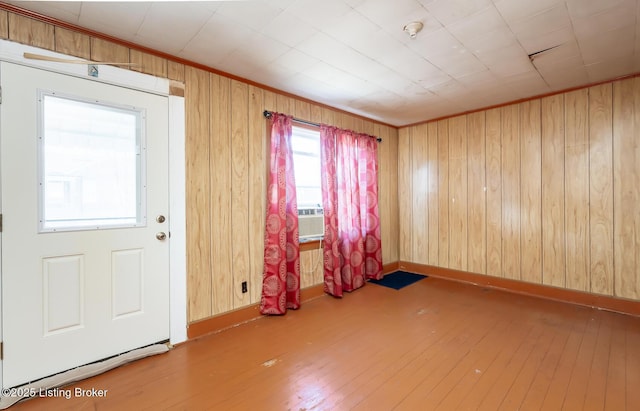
[{"x": 310, "y": 223}]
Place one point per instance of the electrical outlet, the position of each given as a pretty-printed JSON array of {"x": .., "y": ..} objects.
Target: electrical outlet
[{"x": 244, "y": 287}]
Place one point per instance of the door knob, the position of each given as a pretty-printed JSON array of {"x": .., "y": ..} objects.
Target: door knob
[{"x": 161, "y": 236}]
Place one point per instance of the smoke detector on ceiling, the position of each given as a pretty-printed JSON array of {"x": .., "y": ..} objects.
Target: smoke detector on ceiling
[{"x": 413, "y": 28}]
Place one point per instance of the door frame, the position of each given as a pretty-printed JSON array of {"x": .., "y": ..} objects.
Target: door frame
[{"x": 14, "y": 53}]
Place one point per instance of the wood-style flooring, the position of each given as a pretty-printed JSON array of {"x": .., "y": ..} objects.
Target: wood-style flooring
[{"x": 434, "y": 345}]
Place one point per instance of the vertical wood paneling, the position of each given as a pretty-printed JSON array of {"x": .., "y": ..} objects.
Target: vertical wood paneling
[
  {"x": 311, "y": 267},
  {"x": 420, "y": 213},
  {"x": 553, "y": 245},
  {"x": 328, "y": 116},
  {"x": 315, "y": 113},
  {"x": 531, "y": 200},
  {"x": 494, "y": 192},
  {"x": 626, "y": 166},
  {"x": 477, "y": 194},
  {"x": 458, "y": 193},
  {"x": 197, "y": 191},
  {"x": 553, "y": 169},
  {"x": 601, "y": 188},
  {"x": 32, "y": 32},
  {"x": 220, "y": 165},
  {"x": 443, "y": 193},
  {"x": 223, "y": 157},
  {"x": 72, "y": 43},
  {"x": 270, "y": 101},
  {"x": 257, "y": 190},
  {"x": 4, "y": 24},
  {"x": 285, "y": 104},
  {"x": 358, "y": 124},
  {"x": 511, "y": 192},
  {"x": 148, "y": 63},
  {"x": 175, "y": 71},
  {"x": 405, "y": 191},
  {"x": 102, "y": 50},
  {"x": 434, "y": 233},
  {"x": 347, "y": 121},
  {"x": 240, "y": 190},
  {"x": 388, "y": 193},
  {"x": 302, "y": 110},
  {"x": 577, "y": 189}
]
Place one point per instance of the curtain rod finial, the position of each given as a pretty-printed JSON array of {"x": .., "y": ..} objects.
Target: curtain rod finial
[{"x": 267, "y": 114}]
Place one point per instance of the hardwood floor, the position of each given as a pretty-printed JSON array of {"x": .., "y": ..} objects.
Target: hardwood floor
[{"x": 434, "y": 345}]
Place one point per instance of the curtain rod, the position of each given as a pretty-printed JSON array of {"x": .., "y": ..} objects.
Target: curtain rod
[{"x": 267, "y": 114}]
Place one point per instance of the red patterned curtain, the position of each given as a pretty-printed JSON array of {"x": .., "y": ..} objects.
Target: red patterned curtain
[
  {"x": 281, "y": 278},
  {"x": 352, "y": 250}
]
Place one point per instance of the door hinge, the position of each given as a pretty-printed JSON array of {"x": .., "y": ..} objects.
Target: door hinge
[
  {"x": 1, "y": 351},
  {"x": 0, "y": 95},
  {"x": 0, "y": 223}
]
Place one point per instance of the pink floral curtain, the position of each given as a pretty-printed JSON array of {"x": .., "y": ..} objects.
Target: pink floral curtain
[
  {"x": 352, "y": 250},
  {"x": 281, "y": 278}
]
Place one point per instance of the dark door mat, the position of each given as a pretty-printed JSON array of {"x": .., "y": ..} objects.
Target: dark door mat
[{"x": 398, "y": 279}]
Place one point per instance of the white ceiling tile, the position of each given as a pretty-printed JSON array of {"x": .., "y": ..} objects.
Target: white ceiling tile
[
  {"x": 122, "y": 19},
  {"x": 439, "y": 42},
  {"x": 609, "y": 45},
  {"x": 296, "y": 60},
  {"x": 545, "y": 21},
  {"x": 160, "y": 16},
  {"x": 525, "y": 84},
  {"x": 478, "y": 79},
  {"x": 364, "y": 62},
  {"x": 536, "y": 43},
  {"x": 378, "y": 45},
  {"x": 546, "y": 29},
  {"x": 486, "y": 42},
  {"x": 610, "y": 69},
  {"x": 410, "y": 65},
  {"x": 617, "y": 16},
  {"x": 252, "y": 14},
  {"x": 585, "y": 8},
  {"x": 466, "y": 30},
  {"x": 288, "y": 29},
  {"x": 513, "y": 10},
  {"x": 450, "y": 89},
  {"x": 449, "y": 11},
  {"x": 507, "y": 61},
  {"x": 206, "y": 44},
  {"x": 458, "y": 64},
  {"x": 351, "y": 25},
  {"x": 394, "y": 16},
  {"x": 318, "y": 14},
  {"x": 564, "y": 57},
  {"x": 260, "y": 49},
  {"x": 564, "y": 78}
]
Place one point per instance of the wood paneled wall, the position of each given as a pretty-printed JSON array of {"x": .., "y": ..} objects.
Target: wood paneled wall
[
  {"x": 226, "y": 160},
  {"x": 545, "y": 191}
]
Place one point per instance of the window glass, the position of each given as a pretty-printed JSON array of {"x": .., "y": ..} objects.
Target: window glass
[
  {"x": 306, "y": 159},
  {"x": 305, "y": 143},
  {"x": 91, "y": 165}
]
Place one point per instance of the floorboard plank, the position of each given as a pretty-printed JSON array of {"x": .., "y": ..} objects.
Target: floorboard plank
[{"x": 435, "y": 344}]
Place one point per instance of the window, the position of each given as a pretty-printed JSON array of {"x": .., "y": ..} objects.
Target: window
[
  {"x": 91, "y": 158},
  {"x": 305, "y": 143}
]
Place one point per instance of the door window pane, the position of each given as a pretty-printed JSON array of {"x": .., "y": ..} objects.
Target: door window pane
[{"x": 91, "y": 165}]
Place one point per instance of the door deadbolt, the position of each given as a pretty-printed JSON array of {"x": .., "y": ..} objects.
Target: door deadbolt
[
  {"x": 160, "y": 218},
  {"x": 161, "y": 236}
]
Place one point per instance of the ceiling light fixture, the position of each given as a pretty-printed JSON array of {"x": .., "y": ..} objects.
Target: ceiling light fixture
[{"x": 413, "y": 29}]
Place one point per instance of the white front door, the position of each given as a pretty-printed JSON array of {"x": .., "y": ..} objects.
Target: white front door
[{"x": 84, "y": 183}]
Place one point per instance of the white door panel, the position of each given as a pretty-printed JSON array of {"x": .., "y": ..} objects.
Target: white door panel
[{"x": 73, "y": 297}]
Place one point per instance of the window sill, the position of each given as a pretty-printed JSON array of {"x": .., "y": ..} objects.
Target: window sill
[{"x": 312, "y": 243}]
